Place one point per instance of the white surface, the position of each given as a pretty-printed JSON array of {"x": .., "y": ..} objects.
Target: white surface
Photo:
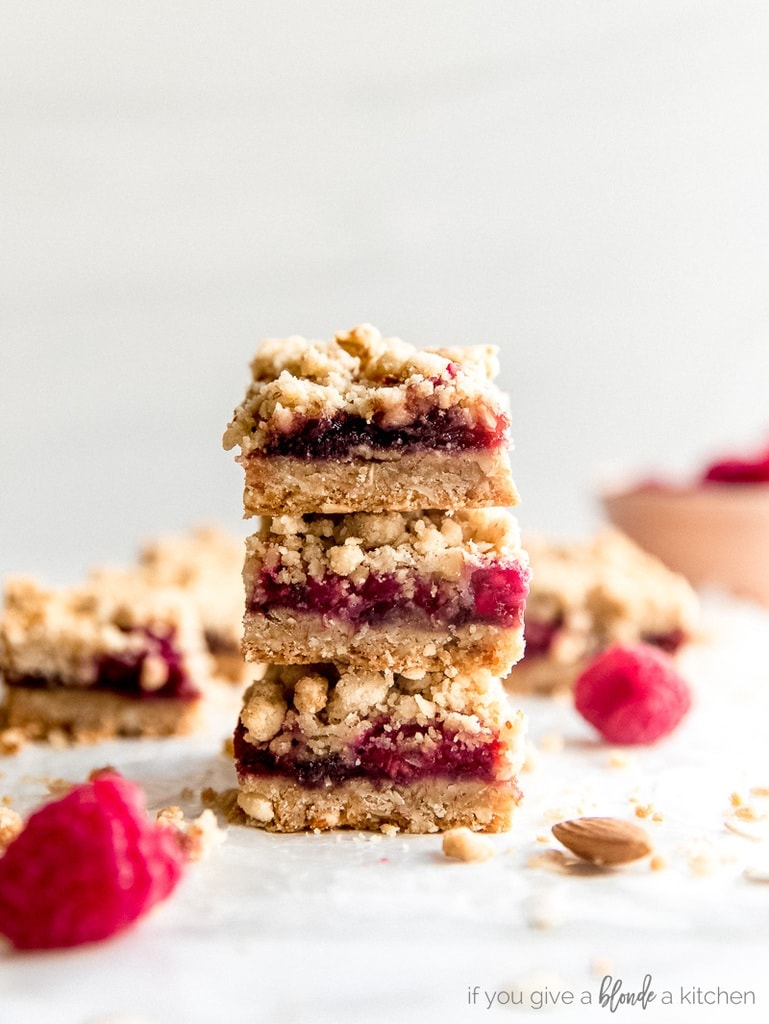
[
  {"x": 354, "y": 927},
  {"x": 583, "y": 184}
]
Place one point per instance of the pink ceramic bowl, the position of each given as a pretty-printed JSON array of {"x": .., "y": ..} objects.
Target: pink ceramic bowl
[{"x": 716, "y": 534}]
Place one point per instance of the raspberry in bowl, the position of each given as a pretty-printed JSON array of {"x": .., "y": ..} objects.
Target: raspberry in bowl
[{"x": 714, "y": 529}]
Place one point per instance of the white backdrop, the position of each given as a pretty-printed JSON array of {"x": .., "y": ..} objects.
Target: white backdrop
[{"x": 583, "y": 184}]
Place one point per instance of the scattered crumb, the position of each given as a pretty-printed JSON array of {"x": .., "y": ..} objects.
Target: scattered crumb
[
  {"x": 705, "y": 861},
  {"x": 60, "y": 787},
  {"x": 749, "y": 813},
  {"x": 12, "y": 741},
  {"x": 735, "y": 800},
  {"x": 620, "y": 759},
  {"x": 759, "y": 791},
  {"x": 644, "y": 811},
  {"x": 224, "y": 803},
  {"x": 58, "y": 739},
  {"x": 557, "y": 814},
  {"x": 462, "y": 844},
  {"x": 228, "y": 747},
  {"x": 551, "y": 743},
  {"x": 600, "y": 966},
  {"x": 757, "y": 873},
  {"x": 200, "y": 836},
  {"x": 703, "y": 864},
  {"x": 742, "y": 827},
  {"x": 543, "y": 912},
  {"x": 389, "y": 829},
  {"x": 531, "y": 758},
  {"x": 544, "y": 839},
  {"x": 11, "y": 823},
  {"x": 658, "y": 862}
]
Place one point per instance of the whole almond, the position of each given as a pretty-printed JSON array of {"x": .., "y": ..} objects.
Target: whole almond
[{"x": 603, "y": 840}]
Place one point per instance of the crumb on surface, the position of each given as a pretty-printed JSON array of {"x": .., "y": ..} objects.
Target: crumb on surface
[
  {"x": 600, "y": 966},
  {"x": 12, "y": 741},
  {"x": 465, "y": 845},
  {"x": 11, "y": 824},
  {"x": 199, "y": 836},
  {"x": 551, "y": 742},
  {"x": 620, "y": 759}
]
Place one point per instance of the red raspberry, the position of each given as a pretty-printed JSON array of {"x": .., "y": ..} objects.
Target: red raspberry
[
  {"x": 85, "y": 867},
  {"x": 632, "y": 694},
  {"x": 738, "y": 470}
]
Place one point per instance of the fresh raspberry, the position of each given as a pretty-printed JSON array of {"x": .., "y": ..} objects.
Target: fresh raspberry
[
  {"x": 632, "y": 694},
  {"x": 85, "y": 867},
  {"x": 737, "y": 470}
]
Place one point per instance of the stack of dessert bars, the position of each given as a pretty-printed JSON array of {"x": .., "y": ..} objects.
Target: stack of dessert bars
[{"x": 385, "y": 588}]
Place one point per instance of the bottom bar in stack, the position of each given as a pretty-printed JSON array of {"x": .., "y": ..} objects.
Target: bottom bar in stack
[{"x": 325, "y": 746}]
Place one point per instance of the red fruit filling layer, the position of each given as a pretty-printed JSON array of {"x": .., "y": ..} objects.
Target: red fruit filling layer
[
  {"x": 121, "y": 673},
  {"x": 492, "y": 594},
  {"x": 403, "y": 754},
  {"x": 343, "y": 436},
  {"x": 540, "y": 636}
]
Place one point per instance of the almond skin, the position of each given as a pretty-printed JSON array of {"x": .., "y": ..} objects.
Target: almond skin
[{"x": 603, "y": 840}]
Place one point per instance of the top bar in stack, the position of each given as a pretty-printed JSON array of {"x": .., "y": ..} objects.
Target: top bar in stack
[{"x": 372, "y": 424}]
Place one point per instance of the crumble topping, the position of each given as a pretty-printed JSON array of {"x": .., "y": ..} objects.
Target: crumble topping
[
  {"x": 207, "y": 562},
  {"x": 62, "y": 632},
  {"x": 360, "y": 373},
  {"x": 361, "y": 543},
  {"x": 329, "y": 704},
  {"x": 604, "y": 590}
]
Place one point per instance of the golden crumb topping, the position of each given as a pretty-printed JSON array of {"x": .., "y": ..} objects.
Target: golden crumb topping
[
  {"x": 361, "y": 374},
  {"x": 607, "y": 588},
  {"x": 207, "y": 562},
  {"x": 355, "y": 545},
  {"x": 61, "y": 632},
  {"x": 328, "y": 705}
]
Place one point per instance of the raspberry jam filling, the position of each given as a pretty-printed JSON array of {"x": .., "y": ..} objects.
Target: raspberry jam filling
[
  {"x": 122, "y": 673},
  {"x": 490, "y": 594},
  {"x": 403, "y": 754},
  {"x": 343, "y": 436}
]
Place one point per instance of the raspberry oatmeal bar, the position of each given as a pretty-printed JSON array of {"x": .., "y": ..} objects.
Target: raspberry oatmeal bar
[
  {"x": 366, "y": 423},
  {"x": 207, "y": 563},
  {"x": 109, "y": 657},
  {"x": 323, "y": 746},
  {"x": 587, "y": 595},
  {"x": 401, "y": 590}
]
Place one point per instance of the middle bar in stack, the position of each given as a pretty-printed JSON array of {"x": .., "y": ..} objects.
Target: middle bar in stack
[{"x": 387, "y": 626}]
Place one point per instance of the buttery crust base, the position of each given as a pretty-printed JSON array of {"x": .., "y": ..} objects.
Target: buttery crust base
[
  {"x": 277, "y": 485},
  {"x": 97, "y": 715},
  {"x": 279, "y": 804},
  {"x": 292, "y": 638}
]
